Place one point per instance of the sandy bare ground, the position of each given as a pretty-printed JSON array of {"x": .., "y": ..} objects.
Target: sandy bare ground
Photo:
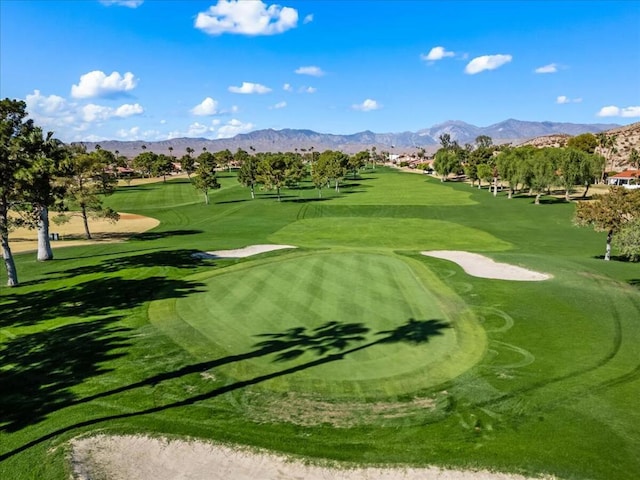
[
  {"x": 145, "y": 458},
  {"x": 481, "y": 266},
  {"x": 72, "y": 233},
  {"x": 242, "y": 252}
]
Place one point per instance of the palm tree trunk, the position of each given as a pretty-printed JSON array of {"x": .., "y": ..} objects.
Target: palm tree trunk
[{"x": 44, "y": 243}]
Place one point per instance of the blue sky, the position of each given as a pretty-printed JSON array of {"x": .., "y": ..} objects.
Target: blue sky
[{"x": 158, "y": 69}]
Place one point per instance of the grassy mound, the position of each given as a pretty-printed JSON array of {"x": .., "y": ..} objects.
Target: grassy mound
[{"x": 349, "y": 326}]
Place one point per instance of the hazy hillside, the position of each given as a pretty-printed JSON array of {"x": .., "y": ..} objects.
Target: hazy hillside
[
  {"x": 626, "y": 138},
  {"x": 508, "y": 131}
]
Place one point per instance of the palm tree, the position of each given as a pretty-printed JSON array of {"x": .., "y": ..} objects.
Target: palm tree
[{"x": 607, "y": 145}]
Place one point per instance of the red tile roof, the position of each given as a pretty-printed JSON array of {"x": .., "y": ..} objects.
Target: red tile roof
[{"x": 627, "y": 174}]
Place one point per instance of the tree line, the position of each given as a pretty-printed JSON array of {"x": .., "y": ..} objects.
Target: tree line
[
  {"x": 39, "y": 173},
  {"x": 523, "y": 168}
]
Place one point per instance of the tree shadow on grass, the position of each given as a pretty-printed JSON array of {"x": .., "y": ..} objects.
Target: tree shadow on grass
[
  {"x": 634, "y": 282},
  {"x": 143, "y": 236},
  {"x": 330, "y": 342},
  {"x": 102, "y": 296},
  {"x": 43, "y": 366},
  {"x": 183, "y": 258}
]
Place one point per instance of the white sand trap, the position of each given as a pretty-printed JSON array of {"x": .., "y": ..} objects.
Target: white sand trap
[
  {"x": 481, "y": 266},
  {"x": 144, "y": 458},
  {"x": 242, "y": 252}
]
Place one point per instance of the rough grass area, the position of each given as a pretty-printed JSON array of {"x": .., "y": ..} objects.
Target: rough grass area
[{"x": 353, "y": 347}]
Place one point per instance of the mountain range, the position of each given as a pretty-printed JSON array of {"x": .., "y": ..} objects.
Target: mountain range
[{"x": 508, "y": 131}]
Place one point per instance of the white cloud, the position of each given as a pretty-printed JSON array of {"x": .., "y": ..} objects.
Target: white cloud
[
  {"x": 49, "y": 111},
  {"x": 98, "y": 84},
  {"x": 564, "y": 99},
  {"x": 248, "y": 87},
  {"x": 246, "y": 18},
  {"x": 127, "y": 110},
  {"x": 614, "y": 111},
  {"x": 133, "y": 132},
  {"x": 208, "y": 106},
  {"x": 123, "y": 3},
  {"x": 233, "y": 128},
  {"x": 197, "y": 130},
  {"x": 367, "y": 105},
  {"x": 100, "y": 113},
  {"x": 278, "y": 106},
  {"x": 486, "y": 62},
  {"x": 308, "y": 19},
  {"x": 92, "y": 113},
  {"x": 310, "y": 70},
  {"x": 436, "y": 53},
  {"x": 287, "y": 87},
  {"x": 551, "y": 68}
]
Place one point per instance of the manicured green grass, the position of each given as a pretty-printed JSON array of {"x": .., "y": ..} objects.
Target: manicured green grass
[{"x": 353, "y": 347}]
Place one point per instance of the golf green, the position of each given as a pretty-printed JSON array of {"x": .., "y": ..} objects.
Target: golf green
[{"x": 344, "y": 324}]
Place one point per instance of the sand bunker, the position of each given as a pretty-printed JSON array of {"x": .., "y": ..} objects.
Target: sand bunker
[
  {"x": 144, "y": 458},
  {"x": 242, "y": 252},
  {"x": 481, "y": 266},
  {"x": 71, "y": 233}
]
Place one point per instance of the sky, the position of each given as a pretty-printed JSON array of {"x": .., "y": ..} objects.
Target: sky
[{"x": 93, "y": 70}]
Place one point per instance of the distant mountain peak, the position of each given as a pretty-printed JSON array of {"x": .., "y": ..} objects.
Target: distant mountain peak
[{"x": 288, "y": 139}]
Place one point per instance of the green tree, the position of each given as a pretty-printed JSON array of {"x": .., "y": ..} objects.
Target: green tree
[
  {"x": 320, "y": 179},
  {"x": 85, "y": 184},
  {"x": 609, "y": 213},
  {"x": 13, "y": 126},
  {"x": 248, "y": 173},
  {"x": 188, "y": 165},
  {"x": 224, "y": 158},
  {"x": 358, "y": 161},
  {"x": 586, "y": 142},
  {"x": 446, "y": 162},
  {"x": 39, "y": 187},
  {"x": 145, "y": 163},
  {"x": 333, "y": 165},
  {"x": 607, "y": 144},
  {"x": 272, "y": 171},
  {"x": 295, "y": 170},
  {"x": 576, "y": 167},
  {"x": 162, "y": 166},
  {"x": 206, "y": 178},
  {"x": 485, "y": 172},
  {"x": 509, "y": 163},
  {"x": 544, "y": 164},
  {"x": 484, "y": 141},
  {"x": 628, "y": 240}
]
